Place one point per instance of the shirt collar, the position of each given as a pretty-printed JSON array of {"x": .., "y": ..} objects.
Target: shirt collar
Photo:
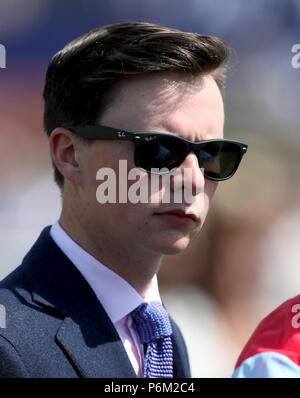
[{"x": 116, "y": 295}]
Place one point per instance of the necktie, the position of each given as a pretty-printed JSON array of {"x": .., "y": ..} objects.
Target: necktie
[{"x": 154, "y": 329}]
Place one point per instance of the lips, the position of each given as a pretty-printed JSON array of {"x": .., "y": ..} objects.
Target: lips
[{"x": 178, "y": 216}]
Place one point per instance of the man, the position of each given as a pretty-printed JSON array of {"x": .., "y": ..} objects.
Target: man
[{"x": 85, "y": 301}]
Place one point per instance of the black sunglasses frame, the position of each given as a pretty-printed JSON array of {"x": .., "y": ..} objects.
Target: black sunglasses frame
[{"x": 99, "y": 132}]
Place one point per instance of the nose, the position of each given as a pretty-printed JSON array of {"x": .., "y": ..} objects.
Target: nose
[{"x": 189, "y": 176}]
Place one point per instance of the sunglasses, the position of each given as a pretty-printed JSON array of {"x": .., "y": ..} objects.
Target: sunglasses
[{"x": 159, "y": 153}]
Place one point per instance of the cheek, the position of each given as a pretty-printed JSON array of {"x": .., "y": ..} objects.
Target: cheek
[
  {"x": 209, "y": 191},
  {"x": 128, "y": 220},
  {"x": 210, "y": 188},
  {"x": 104, "y": 166}
]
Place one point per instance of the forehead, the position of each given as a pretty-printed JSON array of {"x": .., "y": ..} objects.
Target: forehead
[{"x": 169, "y": 102}]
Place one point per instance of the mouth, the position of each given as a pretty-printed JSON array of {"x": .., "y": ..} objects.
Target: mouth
[{"x": 178, "y": 216}]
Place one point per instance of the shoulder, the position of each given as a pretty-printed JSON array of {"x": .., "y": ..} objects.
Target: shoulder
[
  {"x": 275, "y": 342},
  {"x": 17, "y": 312},
  {"x": 21, "y": 318},
  {"x": 11, "y": 365},
  {"x": 13, "y": 295}
]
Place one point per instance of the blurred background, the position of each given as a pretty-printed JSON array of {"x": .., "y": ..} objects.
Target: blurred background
[{"x": 246, "y": 261}]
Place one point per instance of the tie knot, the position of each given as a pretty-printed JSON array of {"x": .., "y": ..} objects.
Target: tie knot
[{"x": 152, "y": 322}]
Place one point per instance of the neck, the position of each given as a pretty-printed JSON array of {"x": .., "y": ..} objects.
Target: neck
[{"x": 133, "y": 265}]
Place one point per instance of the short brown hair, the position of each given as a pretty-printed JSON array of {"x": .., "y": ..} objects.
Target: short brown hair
[{"x": 81, "y": 76}]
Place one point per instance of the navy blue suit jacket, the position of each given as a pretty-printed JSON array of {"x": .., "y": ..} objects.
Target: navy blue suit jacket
[{"x": 55, "y": 325}]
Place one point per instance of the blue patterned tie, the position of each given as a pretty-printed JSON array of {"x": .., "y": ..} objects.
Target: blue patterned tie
[{"x": 153, "y": 326}]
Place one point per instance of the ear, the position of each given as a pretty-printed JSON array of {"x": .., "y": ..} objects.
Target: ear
[{"x": 64, "y": 152}]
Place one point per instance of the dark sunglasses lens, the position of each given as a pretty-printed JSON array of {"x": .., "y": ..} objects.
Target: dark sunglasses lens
[
  {"x": 219, "y": 159},
  {"x": 160, "y": 152}
]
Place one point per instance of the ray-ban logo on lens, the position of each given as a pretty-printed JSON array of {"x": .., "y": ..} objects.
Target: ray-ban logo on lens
[
  {"x": 296, "y": 58},
  {"x": 137, "y": 186},
  {"x": 2, "y": 56}
]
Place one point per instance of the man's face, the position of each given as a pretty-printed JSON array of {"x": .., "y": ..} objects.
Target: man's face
[{"x": 163, "y": 102}]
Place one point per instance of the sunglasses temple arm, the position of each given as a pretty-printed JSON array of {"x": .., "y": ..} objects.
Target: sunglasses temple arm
[{"x": 92, "y": 132}]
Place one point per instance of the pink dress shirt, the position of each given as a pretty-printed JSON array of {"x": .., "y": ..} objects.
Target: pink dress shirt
[{"x": 116, "y": 295}]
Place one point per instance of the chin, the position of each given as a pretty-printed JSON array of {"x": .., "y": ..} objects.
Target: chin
[{"x": 172, "y": 244}]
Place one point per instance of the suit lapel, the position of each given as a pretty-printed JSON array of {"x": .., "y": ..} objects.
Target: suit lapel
[
  {"x": 86, "y": 335},
  {"x": 181, "y": 366},
  {"x": 94, "y": 356}
]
